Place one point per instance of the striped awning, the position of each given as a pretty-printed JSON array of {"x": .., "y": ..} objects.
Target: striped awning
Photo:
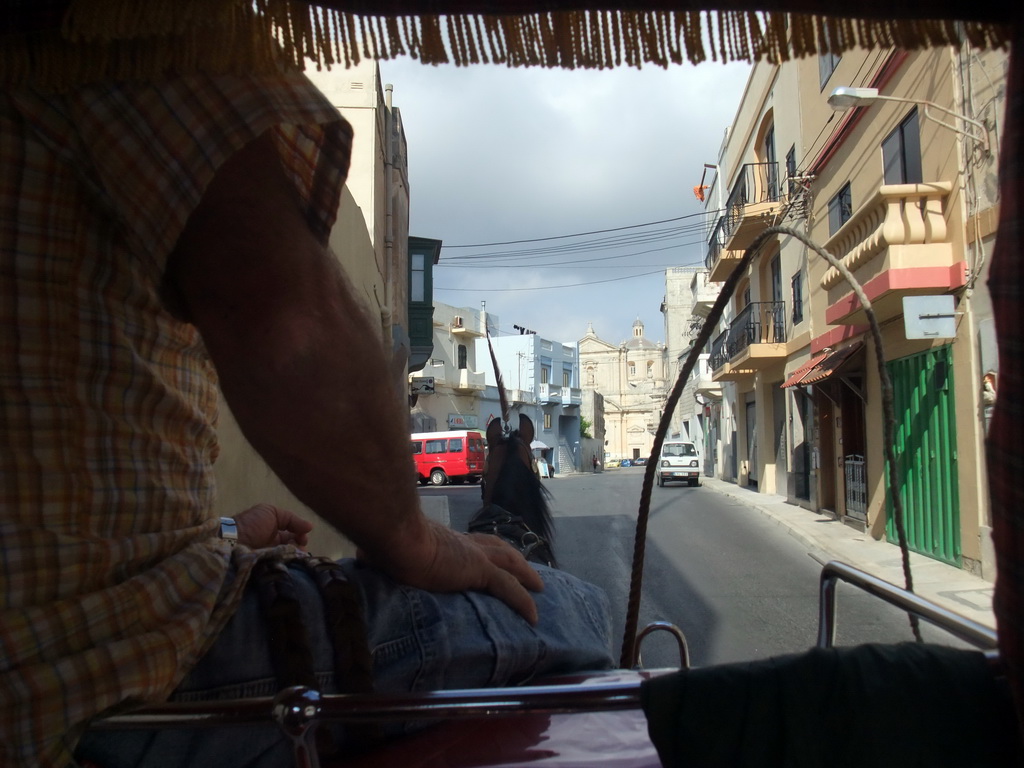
[
  {"x": 797, "y": 376},
  {"x": 831, "y": 364}
]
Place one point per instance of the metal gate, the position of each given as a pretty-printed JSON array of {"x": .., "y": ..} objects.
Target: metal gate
[
  {"x": 926, "y": 454},
  {"x": 856, "y": 487}
]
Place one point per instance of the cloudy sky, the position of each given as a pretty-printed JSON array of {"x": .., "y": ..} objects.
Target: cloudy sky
[{"x": 561, "y": 197}]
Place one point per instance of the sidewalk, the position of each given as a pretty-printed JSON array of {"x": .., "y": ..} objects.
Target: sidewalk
[{"x": 945, "y": 585}]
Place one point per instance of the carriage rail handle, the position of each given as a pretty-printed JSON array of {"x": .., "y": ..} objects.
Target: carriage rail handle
[
  {"x": 308, "y": 704},
  {"x": 833, "y": 572}
]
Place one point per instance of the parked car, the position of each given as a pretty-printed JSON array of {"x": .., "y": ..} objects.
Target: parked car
[
  {"x": 679, "y": 461},
  {"x": 612, "y": 463},
  {"x": 641, "y": 462},
  {"x": 443, "y": 457},
  {"x": 626, "y": 463}
]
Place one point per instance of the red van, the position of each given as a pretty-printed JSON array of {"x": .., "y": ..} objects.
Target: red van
[{"x": 441, "y": 457}]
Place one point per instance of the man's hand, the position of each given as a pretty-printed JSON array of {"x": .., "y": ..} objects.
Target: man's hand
[
  {"x": 268, "y": 526},
  {"x": 446, "y": 561}
]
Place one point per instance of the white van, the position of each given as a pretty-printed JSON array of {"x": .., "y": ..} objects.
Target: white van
[{"x": 679, "y": 460}]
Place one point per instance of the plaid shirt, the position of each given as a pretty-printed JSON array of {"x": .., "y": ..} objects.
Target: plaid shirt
[{"x": 113, "y": 581}]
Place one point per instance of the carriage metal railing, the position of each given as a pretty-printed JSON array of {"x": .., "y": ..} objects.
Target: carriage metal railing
[{"x": 299, "y": 711}]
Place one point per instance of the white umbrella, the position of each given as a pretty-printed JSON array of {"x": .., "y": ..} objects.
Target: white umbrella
[{"x": 538, "y": 444}]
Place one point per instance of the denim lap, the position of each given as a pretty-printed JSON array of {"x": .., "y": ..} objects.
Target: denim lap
[{"x": 420, "y": 641}]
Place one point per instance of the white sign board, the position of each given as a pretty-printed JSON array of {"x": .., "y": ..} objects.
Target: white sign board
[
  {"x": 929, "y": 317},
  {"x": 423, "y": 385},
  {"x": 463, "y": 421}
]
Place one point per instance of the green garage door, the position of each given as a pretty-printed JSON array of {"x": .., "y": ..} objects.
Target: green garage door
[{"x": 926, "y": 454}]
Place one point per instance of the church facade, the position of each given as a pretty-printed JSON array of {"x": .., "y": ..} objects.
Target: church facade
[{"x": 632, "y": 378}]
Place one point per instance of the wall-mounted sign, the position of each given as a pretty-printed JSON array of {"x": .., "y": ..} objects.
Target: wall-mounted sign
[
  {"x": 930, "y": 317},
  {"x": 421, "y": 385},
  {"x": 463, "y": 421}
]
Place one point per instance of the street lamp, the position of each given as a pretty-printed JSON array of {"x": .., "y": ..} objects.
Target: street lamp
[{"x": 847, "y": 97}]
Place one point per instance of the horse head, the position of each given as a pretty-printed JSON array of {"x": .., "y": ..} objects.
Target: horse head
[{"x": 511, "y": 481}]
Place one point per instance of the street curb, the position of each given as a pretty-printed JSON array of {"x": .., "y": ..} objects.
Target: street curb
[
  {"x": 945, "y": 585},
  {"x": 721, "y": 487}
]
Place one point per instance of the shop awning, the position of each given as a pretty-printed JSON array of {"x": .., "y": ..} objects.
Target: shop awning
[
  {"x": 832, "y": 364},
  {"x": 796, "y": 377}
]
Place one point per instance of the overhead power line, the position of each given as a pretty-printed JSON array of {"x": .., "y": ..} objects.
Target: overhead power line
[
  {"x": 577, "y": 234},
  {"x": 552, "y": 287}
]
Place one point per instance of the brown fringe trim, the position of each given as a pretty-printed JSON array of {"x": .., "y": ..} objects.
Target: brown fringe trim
[{"x": 118, "y": 40}]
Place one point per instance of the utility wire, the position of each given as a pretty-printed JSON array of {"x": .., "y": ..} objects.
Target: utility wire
[
  {"x": 552, "y": 287},
  {"x": 579, "y": 262},
  {"x": 578, "y": 234}
]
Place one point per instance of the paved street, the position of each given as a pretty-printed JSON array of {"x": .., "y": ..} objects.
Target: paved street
[{"x": 738, "y": 584}]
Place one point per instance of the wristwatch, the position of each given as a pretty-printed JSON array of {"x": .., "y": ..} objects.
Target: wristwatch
[{"x": 229, "y": 529}]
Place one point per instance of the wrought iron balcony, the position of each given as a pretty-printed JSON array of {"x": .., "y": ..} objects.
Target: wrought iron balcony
[
  {"x": 760, "y": 322},
  {"x": 757, "y": 335},
  {"x": 752, "y": 205},
  {"x": 719, "y": 353}
]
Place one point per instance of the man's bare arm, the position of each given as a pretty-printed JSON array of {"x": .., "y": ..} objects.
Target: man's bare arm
[{"x": 301, "y": 365}]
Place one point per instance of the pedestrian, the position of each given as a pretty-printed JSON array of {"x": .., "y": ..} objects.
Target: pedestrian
[
  {"x": 164, "y": 235},
  {"x": 594, "y": 463}
]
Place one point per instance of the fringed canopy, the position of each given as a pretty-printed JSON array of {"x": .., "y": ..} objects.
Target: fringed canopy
[{"x": 58, "y": 43}]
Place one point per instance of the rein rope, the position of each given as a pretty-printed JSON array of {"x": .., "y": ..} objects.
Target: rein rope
[{"x": 629, "y": 640}]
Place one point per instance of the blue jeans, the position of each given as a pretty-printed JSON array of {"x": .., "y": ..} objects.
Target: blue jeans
[{"x": 419, "y": 640}]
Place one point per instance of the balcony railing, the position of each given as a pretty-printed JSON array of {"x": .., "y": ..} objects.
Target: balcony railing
[
  {"x": 524, "y": 396},
  {"x": 898, "y": 214},
  {"x": 761, "y": 322},
  {"x": 703, "y": 381},
  {"x": 897, "y": 244},
  {"x": 719, "y": 350},
  {"x": 549, "y": 393},
  {"x": 756, "y": 197},
  {"x": 757, "y": 183},
  {"x": 715, "y": 243},
  {"x": 704, "y": 293},
  {"x": 572, "y": 396},
  {"x": 469, "y": 381}
]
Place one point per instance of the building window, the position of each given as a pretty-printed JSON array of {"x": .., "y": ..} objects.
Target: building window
[
  {"x": 566, "y": 377},
  {"x": 632, "y": 369},
  {"x": 840, "y": 209},
  {"x": 417, "y": 277},
  {"x": 776, "y": 271},
  {"x": 901, "y": 153},
  {"x": 771, "y": 164},
  {"x": 591, "y": 376},
  {"x": 463, "y": 354},
  {"x": 547, "y": 421},
  {"x": 791, "y": 171},
  {"x": 827, "y": 64},
  {"x": 650, "y": 369},
  {"x": 798, "y": 297},
  {"x": 545, "y": 374}
]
